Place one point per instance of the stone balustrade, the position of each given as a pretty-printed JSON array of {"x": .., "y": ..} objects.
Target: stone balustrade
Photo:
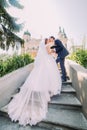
[
  {"x": 78, "y": 75},
  {"x": 10, "y": 82}
]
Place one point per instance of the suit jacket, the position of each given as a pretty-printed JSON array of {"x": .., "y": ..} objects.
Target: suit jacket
[{"x": 60, "y": 49}]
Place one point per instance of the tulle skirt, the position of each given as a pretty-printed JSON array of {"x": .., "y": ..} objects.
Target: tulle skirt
[{"x": 30, "y": 105}]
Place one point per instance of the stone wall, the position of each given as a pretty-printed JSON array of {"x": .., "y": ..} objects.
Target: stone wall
[
  {"x": 10, "y": 82},
  {"x": 78, "y": 75}
]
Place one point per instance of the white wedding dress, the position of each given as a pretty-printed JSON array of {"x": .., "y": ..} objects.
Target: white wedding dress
[{"x": 30, "y": 105}]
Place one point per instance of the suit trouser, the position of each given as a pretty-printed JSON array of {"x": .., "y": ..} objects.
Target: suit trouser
[{"x": 62, "y": 61}]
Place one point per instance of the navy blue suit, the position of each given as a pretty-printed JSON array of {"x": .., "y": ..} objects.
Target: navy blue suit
[{"x": 62, "y": 53}]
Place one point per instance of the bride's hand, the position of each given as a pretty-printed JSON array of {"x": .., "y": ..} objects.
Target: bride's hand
[{"x": 53, "y": 51}]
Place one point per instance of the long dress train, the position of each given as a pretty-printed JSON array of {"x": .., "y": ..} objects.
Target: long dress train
[{"x": 30, "y": 105}]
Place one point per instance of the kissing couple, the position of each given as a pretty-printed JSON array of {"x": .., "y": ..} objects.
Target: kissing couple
[{"x": 30, "y": 105}]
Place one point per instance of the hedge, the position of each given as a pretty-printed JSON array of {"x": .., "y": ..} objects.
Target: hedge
[
  {"x": 13, "y": 63},
  {"x": 80, "y": 57}
]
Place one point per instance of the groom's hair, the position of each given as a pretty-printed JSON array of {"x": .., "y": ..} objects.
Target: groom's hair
[{"x": 52, "y": 37}]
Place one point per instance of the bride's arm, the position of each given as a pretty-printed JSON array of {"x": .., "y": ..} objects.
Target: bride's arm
[{"x": 49, "y": 51}]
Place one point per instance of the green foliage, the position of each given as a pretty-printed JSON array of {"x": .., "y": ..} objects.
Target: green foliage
[
  {"x": 13, "y": 63},
  {"x": 80, "y": 56},
  {"x": 16, "y": 4},
  {"x": 6, "y": 19}
]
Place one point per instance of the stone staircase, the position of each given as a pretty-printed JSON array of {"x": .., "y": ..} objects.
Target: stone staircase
[{"x": 64, "y": 113}]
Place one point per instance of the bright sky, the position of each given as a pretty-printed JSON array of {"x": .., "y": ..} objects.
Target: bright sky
[{"x": 43, "y": 17}]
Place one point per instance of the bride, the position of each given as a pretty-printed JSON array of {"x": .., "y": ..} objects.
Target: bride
[{"x": 30, "y": 105}]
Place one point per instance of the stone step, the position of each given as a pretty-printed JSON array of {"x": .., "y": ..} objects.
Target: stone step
[
  {"x": 68, "y": 118},
  {"x": 67, "y": 101},
  {"x": 6, "y": 124},
  {"x": 62, "y": 113},
  {"x": 65, "y": 89},
  {"x": 53, "y": 126},
  {"x": 56, "y": 120},
  {"x": 57, "y": 116},
  {"x": 60, "y": 101},
  {"x": 68, "y": 82},
  {"x": 68, "y": 89},
  {"x": 5, "y": 121}
]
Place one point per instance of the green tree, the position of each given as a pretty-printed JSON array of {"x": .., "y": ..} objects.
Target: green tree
[
  {"x": 5, "y": 18},
  {"x": 8, "y": 23},
  {"x": 79, "y": 56}
]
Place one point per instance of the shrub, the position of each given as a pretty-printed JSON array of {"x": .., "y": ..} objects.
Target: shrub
[
  {"x": 80, "y": 56},
  {"x": 13, "y": 63}
]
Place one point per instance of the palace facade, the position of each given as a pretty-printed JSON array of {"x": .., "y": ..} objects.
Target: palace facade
[{"x": 31, "y": 45}]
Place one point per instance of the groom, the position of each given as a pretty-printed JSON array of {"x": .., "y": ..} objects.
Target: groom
[{"x": 62, "y": 53}]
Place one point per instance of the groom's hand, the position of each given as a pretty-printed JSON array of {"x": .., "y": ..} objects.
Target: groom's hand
[{"x": 52, "y": 47}]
